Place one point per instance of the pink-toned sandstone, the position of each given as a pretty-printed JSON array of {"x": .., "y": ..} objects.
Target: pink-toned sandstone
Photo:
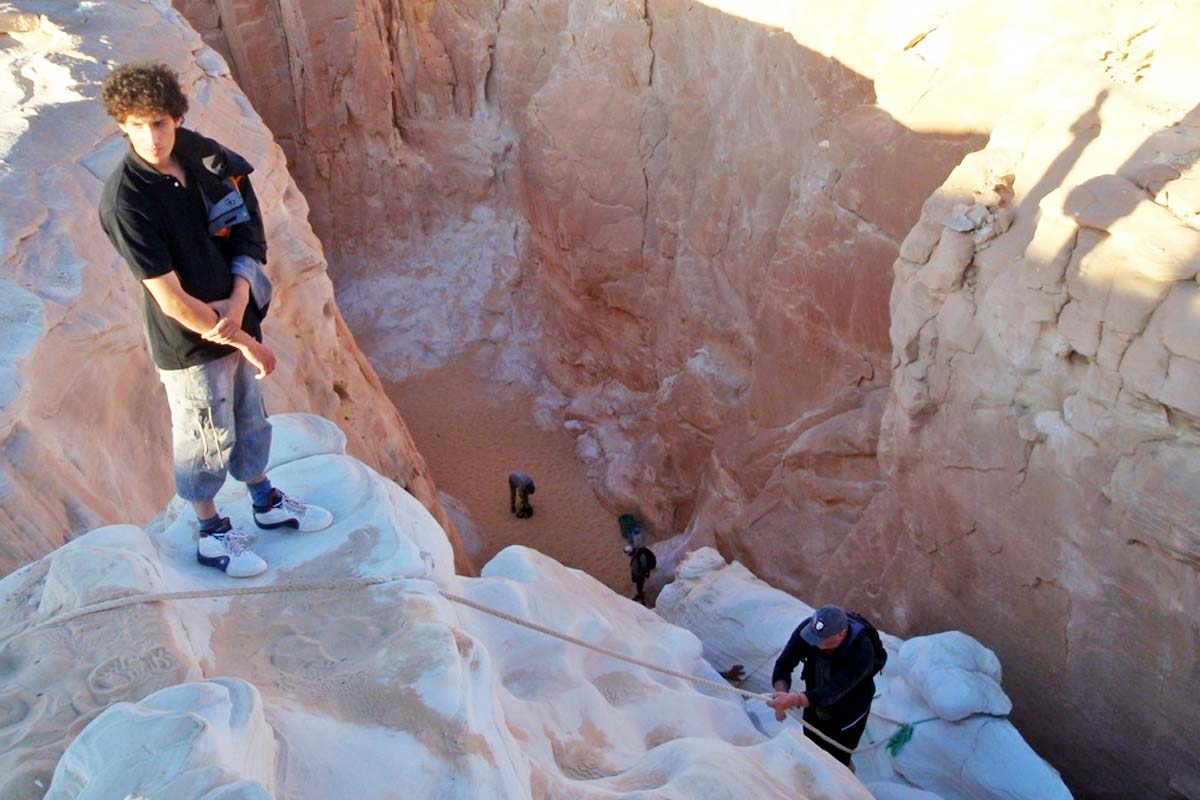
[
  {"x": 83, "y": 420},
  {"x": 678, "y": 222}
]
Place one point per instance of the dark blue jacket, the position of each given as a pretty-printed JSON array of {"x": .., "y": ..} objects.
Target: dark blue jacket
[{"x": 840, "y": 684}]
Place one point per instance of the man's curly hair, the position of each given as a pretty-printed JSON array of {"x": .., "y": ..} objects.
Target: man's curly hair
[{"x": 143, "y": 88}]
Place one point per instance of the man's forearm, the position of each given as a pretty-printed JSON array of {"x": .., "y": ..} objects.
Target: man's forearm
[
  {"x": 191, "y": 313},
  {"x": 240, "y": 296},
  {"x": 200, "y": 318},
  {"x": 787, "y": 661},
  {"x": 247, "y": 345},
  {"x": 194, "y": 314}
]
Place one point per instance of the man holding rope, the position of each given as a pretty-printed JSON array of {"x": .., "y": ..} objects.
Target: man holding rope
[{"x": 840, "y": 664}]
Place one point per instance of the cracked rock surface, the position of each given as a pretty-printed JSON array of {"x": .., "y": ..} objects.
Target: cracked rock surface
[{"x": 1043, "y": 432}]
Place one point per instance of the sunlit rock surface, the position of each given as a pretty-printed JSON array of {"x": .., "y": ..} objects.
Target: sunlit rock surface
[
  {"x": 84, "y": 425},
  {"x": 684, "y": 216},
  {"x": 706, "y": 296},
  {"x": 1043, "y": 429},
  {"x": 646, "y": 235},
  {"x": 360, "y": 692},
  {"x": 948, "y": 684}
]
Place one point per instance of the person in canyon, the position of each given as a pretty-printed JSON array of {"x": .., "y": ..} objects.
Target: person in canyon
[
  {"x": 841, "y": 654},
  {"x": 641, "y": 563},
  {"x": 520, "y": 486},
  {"x": 181, "y": 212}
]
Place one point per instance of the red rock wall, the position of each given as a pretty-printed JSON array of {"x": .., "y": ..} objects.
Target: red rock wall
[
  {"x": 690, "y": 214},
  {"x": 702, "y": 227}
]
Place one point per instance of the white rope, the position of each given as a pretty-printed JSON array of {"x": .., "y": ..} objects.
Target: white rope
[
  {"x": 722, "y": 687},
  {"x": 239, "y": 591},
  {"x": 194, "y": 594}
]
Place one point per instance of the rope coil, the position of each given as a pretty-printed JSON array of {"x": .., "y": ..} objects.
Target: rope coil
[{"x": 893, "y": 743}]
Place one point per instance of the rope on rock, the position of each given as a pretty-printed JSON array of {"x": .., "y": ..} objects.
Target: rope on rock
[
  {"x": 894, "y": 743},
  {"x": 721, "y": 687},
  {"x": 194, "y": 594}
]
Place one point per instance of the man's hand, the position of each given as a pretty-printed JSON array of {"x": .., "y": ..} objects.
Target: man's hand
[
  {"x": 782, "y": 701},
  {"x": 781, "y": 687},
  {"x": 229, "y": 321},
  {"x": 224, "y": 332},
  {"x": 260, "y": 356},
  {"x": 230, "y": 313}
]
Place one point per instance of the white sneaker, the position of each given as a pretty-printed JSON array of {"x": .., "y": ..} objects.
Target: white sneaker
[
  {"x": 228, "y": 550},
  {"x": 289, "y": 512}
]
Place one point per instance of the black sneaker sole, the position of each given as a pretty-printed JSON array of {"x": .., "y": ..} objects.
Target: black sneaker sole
[
  {"x": 270, "y": 526},
  {"x": 220, "y": 562}
]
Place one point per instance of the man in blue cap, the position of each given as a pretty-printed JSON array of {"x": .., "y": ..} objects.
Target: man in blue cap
[{"x": 840, "y": 663}]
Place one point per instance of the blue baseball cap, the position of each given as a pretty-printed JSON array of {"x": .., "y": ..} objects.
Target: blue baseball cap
[{"x": 826, "y": 621}]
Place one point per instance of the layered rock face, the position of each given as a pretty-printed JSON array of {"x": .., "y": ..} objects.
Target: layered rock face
[
  {"x": 1043, "y": 428},
  {"x": 649, "y": 208},
  {"x": 382, "y": 110},
  {"x": 683, "y": 217},
  {"x": 83, "y": 421}
]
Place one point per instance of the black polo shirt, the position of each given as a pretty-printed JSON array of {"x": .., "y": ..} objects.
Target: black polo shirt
[{"x": 158, "y": 225}]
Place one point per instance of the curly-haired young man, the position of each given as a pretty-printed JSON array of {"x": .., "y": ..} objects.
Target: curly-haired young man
[{"x": 181, "y": 212}]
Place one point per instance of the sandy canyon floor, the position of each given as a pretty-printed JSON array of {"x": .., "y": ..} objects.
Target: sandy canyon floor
[{"x": 473, "y": 432}]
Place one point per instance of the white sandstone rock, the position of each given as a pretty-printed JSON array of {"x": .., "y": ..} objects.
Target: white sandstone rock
[
  {"x": 207, "y": 739},
  {"x": 954, "y": 675},
  {"x": 946, "y": 685},
  {"x": 356, "y": 691}
]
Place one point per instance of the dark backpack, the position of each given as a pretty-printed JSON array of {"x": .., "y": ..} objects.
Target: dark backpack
[
  {"x": 643, "y": 562},
  {"x": 873, "y": 635}
]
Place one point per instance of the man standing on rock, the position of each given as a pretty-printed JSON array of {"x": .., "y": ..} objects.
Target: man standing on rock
[
  {"x": 641, "y": 563},
  {"x": 181, "y": 212},
  {"x": 520, "y": 487},
  {"x": 841, "y": 656}
]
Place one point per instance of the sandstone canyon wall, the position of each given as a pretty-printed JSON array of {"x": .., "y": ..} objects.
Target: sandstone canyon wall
[
  {"x": 682, "y": 219},
  {"x": 645, "y": 210},
  {"x": 83, "y": 422},
  {"x": 1043, "y": 429}
]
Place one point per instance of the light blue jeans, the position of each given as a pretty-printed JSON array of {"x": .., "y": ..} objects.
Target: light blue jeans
[{"x": 218, "y": 425}]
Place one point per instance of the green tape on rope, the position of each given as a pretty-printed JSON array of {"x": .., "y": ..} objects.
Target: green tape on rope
[
  {"x": 902, "y": 735},
  {"x": 899, "y": 739}
]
